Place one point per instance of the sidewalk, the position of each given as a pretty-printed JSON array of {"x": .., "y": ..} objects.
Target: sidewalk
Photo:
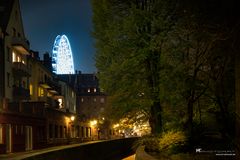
[
  {"x": 22, "y": 155},
  {"x": 132, "y": 157}
]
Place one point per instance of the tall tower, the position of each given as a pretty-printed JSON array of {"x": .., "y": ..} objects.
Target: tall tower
[{"x": 62, "y": 59}]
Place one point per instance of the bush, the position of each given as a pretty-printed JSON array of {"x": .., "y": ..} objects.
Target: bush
[
  {"x": 172, "y": 141},
  {"x": 150, "y": 142}
]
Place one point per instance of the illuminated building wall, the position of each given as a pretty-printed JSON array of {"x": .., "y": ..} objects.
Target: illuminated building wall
[{"x": 62, "y": 59}]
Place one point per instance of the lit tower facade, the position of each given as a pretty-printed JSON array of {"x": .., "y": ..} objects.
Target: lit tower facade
[{"x": 62, "y": 59}]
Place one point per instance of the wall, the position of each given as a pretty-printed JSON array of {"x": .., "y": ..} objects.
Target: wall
[{"x": 104, "y": 150}]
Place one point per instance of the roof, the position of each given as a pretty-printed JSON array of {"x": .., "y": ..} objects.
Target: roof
[{"x": 5, "y": 12}]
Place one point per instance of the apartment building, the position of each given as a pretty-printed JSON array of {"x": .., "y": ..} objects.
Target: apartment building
[
  {"x": 37, "y": 109},
  {"x": 20, "y": 121}
]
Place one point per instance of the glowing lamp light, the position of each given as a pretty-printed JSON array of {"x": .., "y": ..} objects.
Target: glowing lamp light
[
  {"x": 115, "y": 125},
  {"x": 72, "y": 118},
  {"x": 93, "y": 123}
]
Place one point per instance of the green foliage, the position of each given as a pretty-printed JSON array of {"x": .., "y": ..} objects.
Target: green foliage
[
  {"x": 172, "y": 141},
  {"x": 150, "y": 142},
  {"x": 169, "y": 53}
]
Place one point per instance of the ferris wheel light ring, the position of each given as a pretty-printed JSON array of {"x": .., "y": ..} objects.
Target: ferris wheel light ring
[{"x": 62, "y": 59}]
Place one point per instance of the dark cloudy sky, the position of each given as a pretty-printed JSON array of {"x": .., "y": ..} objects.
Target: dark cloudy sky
[{"x": 43, "y": 20}]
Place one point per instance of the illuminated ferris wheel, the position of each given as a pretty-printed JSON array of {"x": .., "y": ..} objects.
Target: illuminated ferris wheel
[{"x": 62, "y": 59}]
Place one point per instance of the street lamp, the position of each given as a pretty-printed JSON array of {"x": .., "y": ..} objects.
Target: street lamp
[
  {"x": 93, "y": 122},
  {"x": 72, "y": 118}
]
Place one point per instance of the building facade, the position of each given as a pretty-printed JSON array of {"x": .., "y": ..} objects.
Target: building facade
[
  {"x": 91, "y": 102},
  {"x": 19, "y": 120},
  {"x": 37, "y": 109}
]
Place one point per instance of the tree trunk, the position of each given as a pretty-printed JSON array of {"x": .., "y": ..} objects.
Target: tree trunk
[
  {"x": 155, "y": 120},
  {"x": 190, "y": 118}
]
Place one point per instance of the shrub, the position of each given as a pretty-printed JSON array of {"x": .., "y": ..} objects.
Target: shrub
[
  {"x": 172, "y": 141},
  {"x": 150, "y": 142}
]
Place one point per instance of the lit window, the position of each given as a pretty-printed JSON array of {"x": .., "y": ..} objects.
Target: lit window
[
  {"x": 82, "y": 99},
  {"x": 95, "y": 99},
  {"x": 102, "y": 100},
  {"x": 60, "y": 103},
  {"x": 14, "y": 57},
  {"x": 31, "y": 89},
  {"x": 95, "y": 90},
  {"x": 23, "y": 61},
  {"x": 88, "y": 90},
  {"x": 72, "y": 94},
  {"x": 18, "y": 58},
  {"x": 1, "y": 134},
  {"x": 40, "y": 92}
]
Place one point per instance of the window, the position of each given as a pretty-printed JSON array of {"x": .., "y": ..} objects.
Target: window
[
  {"x": 95, "y": 90},
  {"x": 82, "y": 99},
  {"x": 60, "y": 103},
  {"x": 56, "y": 131},
  {"x": 40, "y": 92},
  {"x": 102, "y": 100},
  {"x": 50, "y": 131},
  {"x": 64, "y": 132},
  {"x": 88, "y": 90},
  {"x": 14, "y": 57},
  {"x": 18, "y": 58},
  {"x": 31, "y": 89},
  {"x": 94, "y": 99},
  {"x": 16, "y": 15},
  {"x": 61, "y": 132},
  {"x": 22, "y": 129},
  {"x": 1, "y": 134},
  {"x": 72, "y": 94},
  {"x": 14, "y": 32},
  {"x": 16, "y": 129}
]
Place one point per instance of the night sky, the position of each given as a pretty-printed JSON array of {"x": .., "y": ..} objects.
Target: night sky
[{"x": 43, "y": 20}]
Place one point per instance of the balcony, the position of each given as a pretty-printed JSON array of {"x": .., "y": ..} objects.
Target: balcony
[
  {"x": 50, "y": 102},
  {"x": 21, "y": 45},
  {"x": 20, "y": 93},
  {"x": 20, "y": 69},
  {"x": 51, "y": 86}
]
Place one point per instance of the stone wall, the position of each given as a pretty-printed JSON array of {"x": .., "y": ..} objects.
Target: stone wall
[{"x": 103, "y": 150}]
